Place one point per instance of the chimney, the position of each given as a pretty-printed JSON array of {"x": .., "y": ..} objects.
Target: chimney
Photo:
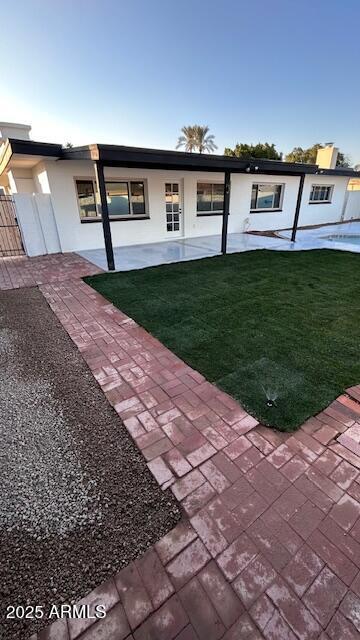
[
  {"x": 327, "y": 156},
  {"x": 14, "y": 130}
]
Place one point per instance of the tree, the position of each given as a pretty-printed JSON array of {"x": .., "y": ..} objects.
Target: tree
[
  {"x": 248, "y": 151},
  {"x": 69, "y": 145},
  {"x": 308, "y": 156},
  {"x": 196, "y": 137},
  {"x": 187, "y": 140},
  {"x": 342, "y": 160}
]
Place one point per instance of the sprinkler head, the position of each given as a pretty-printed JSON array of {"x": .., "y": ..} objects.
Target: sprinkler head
[{"x": 270, "y": 403}]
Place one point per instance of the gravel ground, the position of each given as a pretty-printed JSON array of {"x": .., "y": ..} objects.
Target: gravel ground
[{"x": 77, "y": 500}]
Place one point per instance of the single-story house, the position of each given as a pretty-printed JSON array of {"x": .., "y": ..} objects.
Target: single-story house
[{"x": 70, "y": 199}]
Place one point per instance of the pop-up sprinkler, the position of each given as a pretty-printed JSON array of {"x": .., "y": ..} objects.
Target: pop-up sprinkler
[{"x": 270, "y": 403}]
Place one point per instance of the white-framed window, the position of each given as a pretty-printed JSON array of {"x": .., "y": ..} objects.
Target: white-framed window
[
  {"x": 321, "y": 193},
  {"x": 125, "y": 198},
  {"x": 210, "y": 197},
  {"x": 266, "y": 196}
]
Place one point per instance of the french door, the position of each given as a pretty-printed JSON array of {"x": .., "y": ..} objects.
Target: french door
[{"x": 173, "y": 210}]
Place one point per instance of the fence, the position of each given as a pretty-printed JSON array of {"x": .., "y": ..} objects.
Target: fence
[{"x": 10, "y": 236}]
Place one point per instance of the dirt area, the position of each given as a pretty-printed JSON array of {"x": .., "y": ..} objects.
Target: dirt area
[{"x": 77, "y": 500}]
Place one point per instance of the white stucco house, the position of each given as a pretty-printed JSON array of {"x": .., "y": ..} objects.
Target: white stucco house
[{"x": 71, "y": 199}]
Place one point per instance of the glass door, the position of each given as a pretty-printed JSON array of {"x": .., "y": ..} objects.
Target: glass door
[{"x": 173, "y": 209}]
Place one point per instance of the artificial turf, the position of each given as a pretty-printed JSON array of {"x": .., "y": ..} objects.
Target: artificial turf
[{"x": 260, "y": 325}]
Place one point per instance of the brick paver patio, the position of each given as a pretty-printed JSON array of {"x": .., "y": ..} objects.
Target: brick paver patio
[
  {"x": 269, "y": 546},
  {"x": 21, "y": 271}
]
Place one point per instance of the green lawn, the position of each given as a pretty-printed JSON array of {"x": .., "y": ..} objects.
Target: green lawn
[{"x": 258, "y": 324}]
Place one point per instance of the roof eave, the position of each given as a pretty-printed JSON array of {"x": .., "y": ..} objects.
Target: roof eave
[
  {"x": 346, "y": 173},
  {"x": 165, "y": 159},
  {"x": 29, "y": 147},
  {"x": 122, "y": 156}
]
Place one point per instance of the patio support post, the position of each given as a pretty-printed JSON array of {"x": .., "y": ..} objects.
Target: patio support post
[
  {"x": 100, "y": 181},
  {"x": 225, "y": 212},
  {"x": 298, "y": 205}
]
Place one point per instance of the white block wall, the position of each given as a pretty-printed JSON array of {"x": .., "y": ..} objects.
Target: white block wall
[
  {"x": 37, "y": 223},
  {"x": 352, "y": 209}
]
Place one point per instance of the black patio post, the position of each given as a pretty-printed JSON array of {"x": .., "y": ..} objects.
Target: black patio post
[
  {"x": 100, "y": 180},
  {"x": 225, "y": 212},
  {"x": 298, "y": 205}
]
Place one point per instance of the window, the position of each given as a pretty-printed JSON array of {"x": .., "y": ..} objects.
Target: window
[
  {"x": 321, "y": 192},
  {"x": 125, "y": 198},
  {"x": 137, "y": 198},
  {"x": 210, "y": 197},
  {"x": 266, "y": 196},
  {"x": 86, "y": 197}
]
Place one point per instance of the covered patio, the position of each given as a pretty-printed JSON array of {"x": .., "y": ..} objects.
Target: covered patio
[
  {"x": 130, "y": 257},
  {"x": 150, "y": 255},
  {"x": 156, "y": 253}
]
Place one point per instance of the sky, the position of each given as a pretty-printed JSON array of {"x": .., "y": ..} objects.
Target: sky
[{"x": 135, "y": 72}]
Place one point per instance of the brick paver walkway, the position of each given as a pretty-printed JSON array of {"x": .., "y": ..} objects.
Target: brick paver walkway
[
  {"x": 21, "y": 271},
  {"x": 269, "y": 546}
]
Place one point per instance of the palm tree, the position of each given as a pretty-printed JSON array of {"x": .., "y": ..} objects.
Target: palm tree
[
  {"x": 203, "y": 141},
  {"x": 187, "y": 140},
  {"x": 196, "y": 138}
]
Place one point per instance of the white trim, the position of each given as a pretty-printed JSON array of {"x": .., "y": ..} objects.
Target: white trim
[{"x": 321, "y": 186}]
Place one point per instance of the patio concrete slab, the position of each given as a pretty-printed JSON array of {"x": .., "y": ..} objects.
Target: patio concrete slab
[
  {"x": 149, "y": 255},
  {"x": 319, "y": 238}
]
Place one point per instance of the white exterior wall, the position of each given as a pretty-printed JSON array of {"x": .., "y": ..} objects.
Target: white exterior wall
[
  {"x": 327, "y": 212},
  {"x": 58, "y": 179},
  {"x": 240, "y": 217},
  {"x": 21, "y": 181}
]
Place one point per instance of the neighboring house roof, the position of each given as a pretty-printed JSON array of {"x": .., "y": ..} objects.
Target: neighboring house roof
[{"x": 117, "y": 155}]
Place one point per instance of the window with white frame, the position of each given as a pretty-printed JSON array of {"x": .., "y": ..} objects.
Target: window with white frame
[
  {"x": 321, "y": 193},
  {"x": 210, "y": 197},
  {"x": 266, "y": 196},
  {"x": 125, "y": 198}
]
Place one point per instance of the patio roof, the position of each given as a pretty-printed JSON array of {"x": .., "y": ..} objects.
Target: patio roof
[
  {"x": 118, "y": 155},
  {"x": 114, "y": 155}
]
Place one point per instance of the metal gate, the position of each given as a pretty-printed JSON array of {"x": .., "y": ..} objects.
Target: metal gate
[{"x": 10, "y": 236}]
